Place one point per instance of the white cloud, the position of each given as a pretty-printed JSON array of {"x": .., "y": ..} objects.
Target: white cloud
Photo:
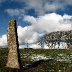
[
  {"x": 15, "y": 12},
  {"x": 52, "y": 7},
  {"x": 35, "y": 46},
  {"x": 43, "y": 6},
  {"x": 30, "y": 19},
  {"x": 27, "y": 35},
  {"x": 3, "y": 41},
  {"x": 40, "y": 7},
  {"x": 46, "y": 23},
  {"x": 50, "y": 22}
]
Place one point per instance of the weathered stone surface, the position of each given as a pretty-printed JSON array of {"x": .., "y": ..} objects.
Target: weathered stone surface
[{"x": 12, "y": 39}]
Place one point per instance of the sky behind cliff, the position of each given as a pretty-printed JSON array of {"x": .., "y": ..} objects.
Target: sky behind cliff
[{"x": 34, "y": 18}]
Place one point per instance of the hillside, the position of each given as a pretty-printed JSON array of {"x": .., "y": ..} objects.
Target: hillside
[
  {"x": 60, "y": 35},
  {"x": 57, "y": 38},
  {"x": 51, "y": 60}
]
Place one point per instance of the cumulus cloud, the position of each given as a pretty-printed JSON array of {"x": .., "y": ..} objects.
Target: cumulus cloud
[
  {"x": 3, "y": 41},
  {"x": 50, "y": 22},
  {"x": 40, "y": 25},
  {"x": 27, "y": 35}
]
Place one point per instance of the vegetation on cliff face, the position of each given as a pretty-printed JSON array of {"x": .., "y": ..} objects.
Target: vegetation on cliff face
[{"x": 62, "y": 60}]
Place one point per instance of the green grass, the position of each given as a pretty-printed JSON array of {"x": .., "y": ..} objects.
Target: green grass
[{"x": 48, "y": 66}]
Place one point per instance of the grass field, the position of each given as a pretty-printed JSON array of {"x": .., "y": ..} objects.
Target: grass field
[{"x": 62, "y": 60}]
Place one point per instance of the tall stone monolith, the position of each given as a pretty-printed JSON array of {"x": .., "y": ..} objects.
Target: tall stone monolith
[{"x": 13, "y": 60}]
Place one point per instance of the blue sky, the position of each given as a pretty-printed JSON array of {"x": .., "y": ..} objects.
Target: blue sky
[{"x": 29, "y": 12}]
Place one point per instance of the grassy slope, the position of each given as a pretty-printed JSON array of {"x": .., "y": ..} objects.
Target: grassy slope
[{"x": 51, "y": 66}]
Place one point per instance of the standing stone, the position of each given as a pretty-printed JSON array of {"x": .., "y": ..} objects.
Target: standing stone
[{"x": 12, "y": 39}]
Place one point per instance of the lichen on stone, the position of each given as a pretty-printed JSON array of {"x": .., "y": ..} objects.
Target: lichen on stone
[{"x": 11, "y": 23}]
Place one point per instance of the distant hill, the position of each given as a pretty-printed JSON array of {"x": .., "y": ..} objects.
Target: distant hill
[{"x": 57, "y": 37}]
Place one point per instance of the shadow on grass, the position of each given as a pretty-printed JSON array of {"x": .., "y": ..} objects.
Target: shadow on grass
[
  {"x": 25, "y": 68},
  {"x": 4, "y": 69}
]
